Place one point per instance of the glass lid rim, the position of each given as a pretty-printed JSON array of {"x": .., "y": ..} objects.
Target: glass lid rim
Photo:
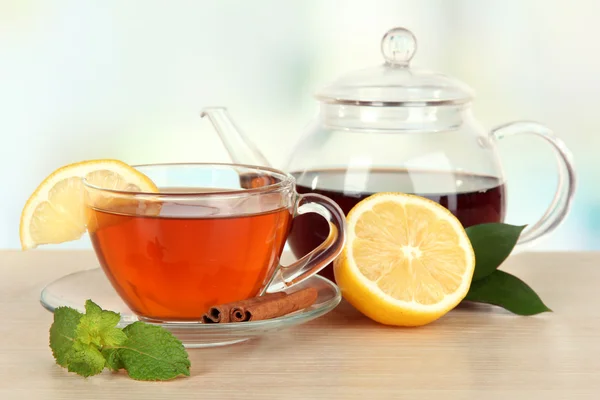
[{"x": 395, "y": 103}]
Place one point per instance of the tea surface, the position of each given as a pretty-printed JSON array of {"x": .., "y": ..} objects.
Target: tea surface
[
  {"x": 174, "y": 268},
  {"x": 473, "y": 199}
]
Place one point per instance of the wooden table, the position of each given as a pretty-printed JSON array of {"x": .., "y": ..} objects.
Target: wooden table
[{"x": 475, "y": 352}]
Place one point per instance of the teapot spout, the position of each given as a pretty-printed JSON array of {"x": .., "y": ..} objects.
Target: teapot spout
[{"x": 240, "y": 148}]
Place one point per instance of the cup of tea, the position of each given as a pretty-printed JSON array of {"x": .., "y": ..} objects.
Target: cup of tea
[{"x": 213, "y": 234}]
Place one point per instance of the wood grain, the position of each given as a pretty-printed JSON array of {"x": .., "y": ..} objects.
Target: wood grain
[{"x": 473, "y": 352}]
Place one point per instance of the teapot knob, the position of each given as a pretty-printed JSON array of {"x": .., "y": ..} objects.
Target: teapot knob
[{"x": 398, "y": 46}]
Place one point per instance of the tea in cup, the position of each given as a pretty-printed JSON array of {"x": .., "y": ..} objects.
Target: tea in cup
[{"x": 213, "y": 234}]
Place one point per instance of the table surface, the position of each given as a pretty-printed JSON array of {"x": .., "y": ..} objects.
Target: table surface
[{"x": 473, "y": 352}]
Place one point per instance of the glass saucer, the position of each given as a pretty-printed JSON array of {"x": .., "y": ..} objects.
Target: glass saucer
[{"x": 74, "y": 289}]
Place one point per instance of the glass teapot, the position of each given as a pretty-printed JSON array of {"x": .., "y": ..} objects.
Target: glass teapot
[{"x": 400, "y": 129}]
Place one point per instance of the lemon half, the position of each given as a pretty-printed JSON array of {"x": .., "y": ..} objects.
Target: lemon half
[{"x": 407, "y": 261}]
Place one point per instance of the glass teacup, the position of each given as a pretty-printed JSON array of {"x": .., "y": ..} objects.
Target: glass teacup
[{"x": 213, "y": 234}]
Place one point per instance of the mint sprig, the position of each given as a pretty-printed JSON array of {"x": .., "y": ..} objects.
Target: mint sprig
[
  {"x": 88, "y": 343},
  {"x": 492, "y": 244}
]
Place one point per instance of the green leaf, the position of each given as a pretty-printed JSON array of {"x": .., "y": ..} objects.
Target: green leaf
[
  {"x": 492, "y": 244},
  {"x": 92, "y": 308},
  {"x": 505, "y": 290},
  {"x": 62, "y": 333},
  {"x": 113, "y": 360},
  {"x": 98, "y": 327},
  {"x": 153, "y": 353},
  {"x": 88, "y": 343},
  {"x": 85, "y": 359}
]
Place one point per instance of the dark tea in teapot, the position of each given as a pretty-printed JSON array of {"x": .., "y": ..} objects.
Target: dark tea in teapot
[{"x": 473, "y": 199}]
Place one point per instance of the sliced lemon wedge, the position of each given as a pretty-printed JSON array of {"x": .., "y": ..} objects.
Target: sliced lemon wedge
[
  {"x": 55, "y": 212},
  {"x": 407, "y": 260}
]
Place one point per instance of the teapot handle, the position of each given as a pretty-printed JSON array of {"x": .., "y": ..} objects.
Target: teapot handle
[{"x": 563, "y": 198}]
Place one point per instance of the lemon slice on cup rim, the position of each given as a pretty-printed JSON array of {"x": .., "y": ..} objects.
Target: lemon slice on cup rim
[{"x": 55, "y": 212}]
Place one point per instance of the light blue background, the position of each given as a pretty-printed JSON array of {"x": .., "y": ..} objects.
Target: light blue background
[{"x": 126, "y": 79}]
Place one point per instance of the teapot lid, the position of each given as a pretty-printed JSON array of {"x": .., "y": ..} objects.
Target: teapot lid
[{"x": 396, "y": 83}]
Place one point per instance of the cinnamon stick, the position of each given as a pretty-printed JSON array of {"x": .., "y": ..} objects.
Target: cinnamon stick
[
  {"x": 222, "y": 313},
  {"x": 278, "y": 307},
  {"x": 268, "y": 306}
]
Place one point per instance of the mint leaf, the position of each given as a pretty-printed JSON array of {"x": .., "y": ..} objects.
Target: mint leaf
[
  {"x": 88, "y": 343},
  {"x": 113, "y": 361},
  {"x": 505, "y": 290},
  {"x": 62, "y": 333},
  {"x": 98, "y": 327},
  {"x": 492, "y": 244},
  {"x": 92, "y": 308},
  {"x": 152, "y": 353},
  {"x": 85, "y": 359}
]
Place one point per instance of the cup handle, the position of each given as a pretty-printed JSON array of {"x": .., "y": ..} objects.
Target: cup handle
[
  {"x": 325, "y": 253},
  {"x": 561, "y": 203}
]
